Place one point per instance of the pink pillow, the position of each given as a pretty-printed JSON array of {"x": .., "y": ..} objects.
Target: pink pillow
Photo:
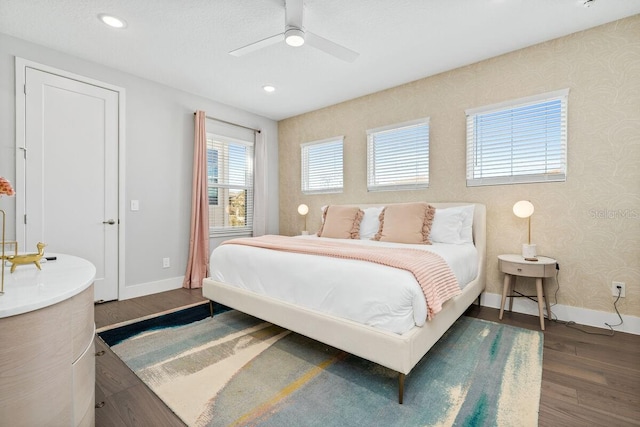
[
  {"x": 406, "y": 223},
  {"x": 341, "y": 222}
]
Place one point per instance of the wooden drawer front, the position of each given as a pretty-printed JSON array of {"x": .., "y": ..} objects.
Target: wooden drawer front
[
  {"x": 82, "y": 321},
  {"x": 84, "y": 378},
  {"x": 527, "y": 270},
  {"x": 35, "y": 368}
]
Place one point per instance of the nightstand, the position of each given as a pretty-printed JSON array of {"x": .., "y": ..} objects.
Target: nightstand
[{"x": 514, "y": 266}]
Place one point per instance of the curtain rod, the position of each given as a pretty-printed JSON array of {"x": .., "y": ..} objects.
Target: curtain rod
[{"x": 230, "y": 123}]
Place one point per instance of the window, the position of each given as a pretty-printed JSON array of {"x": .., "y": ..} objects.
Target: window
[
  {"x": 230, "y": 185},
  {"x": 322, "y": 166},
  {"x": 398, "y": 156},
  {"x": 212, "y": 174},
  {"x": 518, "y": 141}
]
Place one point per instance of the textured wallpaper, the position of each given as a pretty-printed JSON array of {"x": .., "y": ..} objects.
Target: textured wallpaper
[{"x": 590, "y": 223}]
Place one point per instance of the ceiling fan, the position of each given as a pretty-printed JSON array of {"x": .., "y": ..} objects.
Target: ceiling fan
[{"x": 295, "y": 35}]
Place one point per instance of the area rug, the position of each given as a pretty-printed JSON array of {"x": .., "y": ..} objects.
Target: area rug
[{"x": 234, "y": 369}]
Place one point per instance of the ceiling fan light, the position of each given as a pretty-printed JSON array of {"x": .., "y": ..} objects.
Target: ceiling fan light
[{"x": 294, "y": 37}]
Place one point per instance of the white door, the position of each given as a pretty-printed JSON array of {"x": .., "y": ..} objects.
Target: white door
[{"x": 71, "y": 173}]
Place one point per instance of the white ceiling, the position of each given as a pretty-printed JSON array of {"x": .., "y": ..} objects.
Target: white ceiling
[{"x": 185, "y": 43}]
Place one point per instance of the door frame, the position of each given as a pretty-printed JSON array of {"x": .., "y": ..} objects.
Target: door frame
[{"x": 21, "y": 66}]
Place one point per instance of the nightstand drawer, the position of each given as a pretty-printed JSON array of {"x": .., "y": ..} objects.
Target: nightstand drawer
[{"x": 526, "y": 270}]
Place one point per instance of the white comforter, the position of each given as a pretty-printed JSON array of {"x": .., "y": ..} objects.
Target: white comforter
[{"x": 384, "y": 297}]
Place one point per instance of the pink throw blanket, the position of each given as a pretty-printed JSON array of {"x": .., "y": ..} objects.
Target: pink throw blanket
[{"x": 432, "y": 273}]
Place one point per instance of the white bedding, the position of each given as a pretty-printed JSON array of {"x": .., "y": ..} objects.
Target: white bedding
[{"x": 388, "y": 298}]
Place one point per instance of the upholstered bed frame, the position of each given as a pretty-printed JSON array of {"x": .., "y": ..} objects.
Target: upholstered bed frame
[{"x": 400, "y": 352}]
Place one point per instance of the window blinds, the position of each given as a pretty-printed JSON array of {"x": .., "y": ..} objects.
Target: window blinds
[
  {"x": 322, "y": 166},
  {"x": 519, "y": 141},
  {"x": 230, "y": 182},
  {"x": 398, "y": 156}
]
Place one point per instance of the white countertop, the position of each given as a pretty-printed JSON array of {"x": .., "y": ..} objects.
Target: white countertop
[{"x": 28, "y": 289}]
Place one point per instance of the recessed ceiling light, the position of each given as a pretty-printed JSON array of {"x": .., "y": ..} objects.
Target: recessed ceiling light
[
  {"x": 268, "y": 88},
  {"x": 112, "y": 21}
]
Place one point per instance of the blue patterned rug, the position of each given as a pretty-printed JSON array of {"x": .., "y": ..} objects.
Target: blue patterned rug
[{"x": 235, "y": 369}]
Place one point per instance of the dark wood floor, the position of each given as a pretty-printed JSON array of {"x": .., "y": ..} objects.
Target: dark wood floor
[
  {"x": 127, "y": 400},
  {"x": 587, "y": 380}
]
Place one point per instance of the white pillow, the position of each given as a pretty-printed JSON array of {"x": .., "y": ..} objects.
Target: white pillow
[
  {"x": 446, "y": 227},
  {"x": 370, "y": 222},
  {"x": 453, "y": 225},
  {"x": 466, "y": 235}
]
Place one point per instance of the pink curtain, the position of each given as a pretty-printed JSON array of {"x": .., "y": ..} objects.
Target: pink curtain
[{"x": 198, "y": 263}]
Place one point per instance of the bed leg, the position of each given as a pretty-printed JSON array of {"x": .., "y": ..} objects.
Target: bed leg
[
  {"x": 211, "y": 307},
  {"x": 479, "y": 304},
  {"x": 401, "y": 377}
]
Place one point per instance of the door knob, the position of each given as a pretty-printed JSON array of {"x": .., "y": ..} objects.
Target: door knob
[{"x": 110, "y": 222}]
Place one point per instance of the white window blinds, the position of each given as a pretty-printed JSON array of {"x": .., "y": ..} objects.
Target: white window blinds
[
  {"x": 321, "y": 166},
  {"x": 398, "y": 156},
  {"x": 518, "y": 141},
  {"x": 230, "y": 185}
]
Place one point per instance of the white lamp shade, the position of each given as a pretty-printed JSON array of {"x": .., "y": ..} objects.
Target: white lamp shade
[
  {"x": 303, "y": 209},
  {"x": 523, "y": 209}
]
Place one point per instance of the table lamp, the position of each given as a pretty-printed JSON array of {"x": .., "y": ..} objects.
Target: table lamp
[
  {"x": 524, "y": 209},
  {"x": 304, "y": 210}
]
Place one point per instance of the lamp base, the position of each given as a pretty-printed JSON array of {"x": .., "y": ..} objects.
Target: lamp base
[{"x": 529, "y": 252}]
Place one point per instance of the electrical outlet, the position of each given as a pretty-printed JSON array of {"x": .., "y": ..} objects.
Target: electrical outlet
[
  {"x": 615, "y": 291},
  {"x": 166, "y": 263}
]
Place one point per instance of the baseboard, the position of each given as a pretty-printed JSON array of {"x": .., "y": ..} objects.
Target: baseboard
[
  {"x": 583, "y": 316},
  {"x": 149, "y": 288}
]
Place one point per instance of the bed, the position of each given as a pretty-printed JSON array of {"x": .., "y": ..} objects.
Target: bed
[{"x": 398, "y": 344}]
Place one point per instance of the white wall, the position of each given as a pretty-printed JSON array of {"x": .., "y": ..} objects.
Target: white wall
[{"x": 158, "y": 169}]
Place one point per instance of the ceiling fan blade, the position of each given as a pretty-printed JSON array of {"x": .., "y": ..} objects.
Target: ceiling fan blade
[
  {"x": 330, "y": 47},
  {"x": 293, "y": 13},
  {"x": 257, "y": 45}
]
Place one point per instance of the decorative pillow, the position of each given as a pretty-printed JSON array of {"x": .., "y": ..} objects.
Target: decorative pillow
[
  {"x": 406, "y": 223},
  {"x": 453, "y": 225},
  {"x": 370, "y": 223},
  {"x": 341, "y": 222}
]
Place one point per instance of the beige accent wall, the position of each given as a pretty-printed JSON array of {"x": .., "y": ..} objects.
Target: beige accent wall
[{"x": 590, "y": 223}]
